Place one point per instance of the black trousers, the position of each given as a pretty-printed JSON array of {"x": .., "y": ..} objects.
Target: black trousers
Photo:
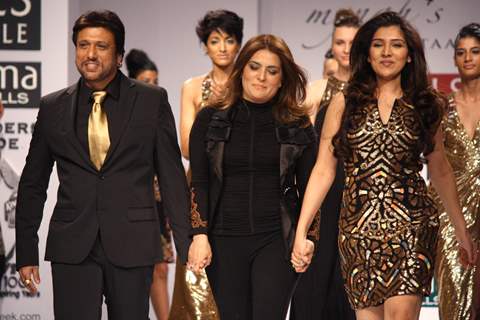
[
  {"x": 250, "y": 277},
  {"x": 78, "y": 289}
]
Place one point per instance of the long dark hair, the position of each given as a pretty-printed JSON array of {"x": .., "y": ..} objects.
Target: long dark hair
[
  {"x": 428, "y": 104},
  {"x": 288, "y": 100}
]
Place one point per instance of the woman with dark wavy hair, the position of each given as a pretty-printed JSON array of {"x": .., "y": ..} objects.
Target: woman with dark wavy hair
[
  {"x": 459, "y": 287},
  {"x": 384, "y": 128},
  {"x": 251, "y": 154}
]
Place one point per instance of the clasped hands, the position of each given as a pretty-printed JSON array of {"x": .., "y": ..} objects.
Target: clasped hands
[
  {"x": 302, "y": 254},
  {"x": 199, "y": 253}
]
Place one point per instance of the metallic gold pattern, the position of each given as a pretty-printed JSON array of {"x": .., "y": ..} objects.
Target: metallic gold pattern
[
  {"x": 206, "y": 90},
  {"x": 455, "y": 283},
  {"x": 194, "y": 299},
  {"x": 333, "y": 86},
  {"x": 195, "y": 217},
  {"x": 314, "y": 231},
  {"x": 388, "y": 222}
]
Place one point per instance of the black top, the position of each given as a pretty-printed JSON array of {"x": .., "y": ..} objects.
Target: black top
[
  {"x": 249, "y": 202},
  {"x": 84, "y": 107}
]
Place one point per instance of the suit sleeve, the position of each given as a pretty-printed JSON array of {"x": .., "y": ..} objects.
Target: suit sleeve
[
  {"x": 32, "y": 193},
  {"x": 171, "y": 177},
  {"x": 199, "y": 165},
  {"x": 303, "y": 169}
]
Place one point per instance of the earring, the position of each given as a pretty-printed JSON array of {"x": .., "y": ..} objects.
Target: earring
[{"x": 409, "y": 60}]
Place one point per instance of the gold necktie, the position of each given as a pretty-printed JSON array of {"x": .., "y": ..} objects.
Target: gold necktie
[{"x": 98, "y": 138}]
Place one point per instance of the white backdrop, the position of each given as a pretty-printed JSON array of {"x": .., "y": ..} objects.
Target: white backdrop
[{"x": 166, "y": 31}]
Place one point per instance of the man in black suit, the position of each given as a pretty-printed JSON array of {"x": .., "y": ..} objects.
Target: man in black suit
[{"x": 104, "y": 234}]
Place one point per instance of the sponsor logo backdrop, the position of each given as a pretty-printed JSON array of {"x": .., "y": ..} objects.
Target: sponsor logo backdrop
[{"x": 33, "y": 38}]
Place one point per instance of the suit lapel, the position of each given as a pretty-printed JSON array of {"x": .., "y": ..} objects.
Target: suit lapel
[
  {"x": 69, "y": 103},
  {"x": 122, "y": 116}
]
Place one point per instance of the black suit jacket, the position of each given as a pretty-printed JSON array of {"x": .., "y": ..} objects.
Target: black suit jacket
[{"x": 117, "y": 201}]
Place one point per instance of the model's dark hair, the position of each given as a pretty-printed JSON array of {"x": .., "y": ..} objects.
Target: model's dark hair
[
  {"x": 224, "y": 20},
  {"x": 361, "y": 91},
  {"x": 104, "y": 19},
  {"x": 471, "y": 30},
  {"x": 287, "y": 102},
  {"x": 138, "y": 61},
  {"x": 346, "y": 18}
]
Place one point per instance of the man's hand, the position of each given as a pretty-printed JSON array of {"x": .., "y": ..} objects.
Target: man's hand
[
  {"x": 30, "y": 277},
  {"x": 200, "y": 253}
]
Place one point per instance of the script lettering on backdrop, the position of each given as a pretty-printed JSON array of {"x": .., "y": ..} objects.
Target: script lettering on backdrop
[
  {"x": 20, "y": 25},
  {"x": 427, "y": 12}
]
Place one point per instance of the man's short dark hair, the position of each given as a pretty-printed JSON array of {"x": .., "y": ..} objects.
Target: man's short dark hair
[{"x": 104, "y": 19}]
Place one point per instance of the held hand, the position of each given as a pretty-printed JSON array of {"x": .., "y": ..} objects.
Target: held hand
[
  {"x": 302, "y": 254},
  {"x": 468, "y": 251},
  {"x": 199, "y": 254},
  {"x": 218, "y": 92},
  {"x": 30, "y": 275}
]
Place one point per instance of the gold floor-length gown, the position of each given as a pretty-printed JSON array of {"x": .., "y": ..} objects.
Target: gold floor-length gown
[
  {"x": 456, "y": 283},
  {"x": 192, "y": 297},
  {"x": 388, "y": 222}
]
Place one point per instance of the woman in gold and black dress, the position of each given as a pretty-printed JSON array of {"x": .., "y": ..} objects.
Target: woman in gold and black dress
[
  {"x": 320, "y": 293},
  {"x": 459, "y": 286},
  {"x": 384, "y": 129},
  {"x": 221, "y": 33}
]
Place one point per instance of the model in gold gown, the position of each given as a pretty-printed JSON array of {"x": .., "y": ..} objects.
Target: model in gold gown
[
  {"x": 456, "y": 283},
  {"x": 459, "y": 286}
]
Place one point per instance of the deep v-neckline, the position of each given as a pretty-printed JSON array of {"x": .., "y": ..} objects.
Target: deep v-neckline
[
  {"x": 464, "y": 129},
  {"x": 389, "y": 115}
]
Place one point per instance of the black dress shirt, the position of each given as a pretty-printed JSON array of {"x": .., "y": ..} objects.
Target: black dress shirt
[{"x": 84, "y": 107}]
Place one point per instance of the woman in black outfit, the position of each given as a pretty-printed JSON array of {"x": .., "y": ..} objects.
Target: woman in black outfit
[{"x": 251, "y": 155}]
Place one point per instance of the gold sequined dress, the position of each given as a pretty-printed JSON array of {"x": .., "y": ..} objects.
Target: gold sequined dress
[
  {"x": 192, "y": 297},
  {"x": 456, "y": 284},
  {"x": 388, "y": 222}
]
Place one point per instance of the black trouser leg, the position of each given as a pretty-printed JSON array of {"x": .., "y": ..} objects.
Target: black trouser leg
[
  {"x": 78, "y": 289},
  {"x": 273, "y": 281},
  {"x": 250, "y": 277},
  {"x": 229, "y": 277}
]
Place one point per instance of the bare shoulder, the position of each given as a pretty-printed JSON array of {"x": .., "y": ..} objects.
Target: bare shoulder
[
  {"x": 315, "y": 92},
  {"x": 338, "y": 102},
  {"x": 194, "y": 83},
  {"x": 318, "y": 85}
]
